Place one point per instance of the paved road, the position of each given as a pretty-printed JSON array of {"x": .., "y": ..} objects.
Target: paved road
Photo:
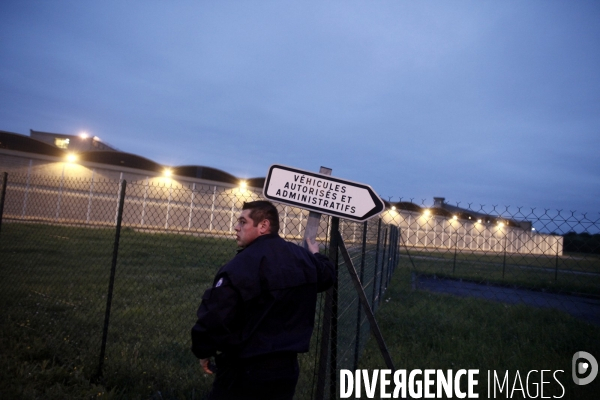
[{"x": 580, "y": 307}]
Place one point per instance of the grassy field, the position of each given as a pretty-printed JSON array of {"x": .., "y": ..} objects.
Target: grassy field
[
  {"x": 53, "y": 294},
  {"x": 572, "y": 273},
  {"x": 426, "y": 330},
  {"x": 53, "y": 288}
]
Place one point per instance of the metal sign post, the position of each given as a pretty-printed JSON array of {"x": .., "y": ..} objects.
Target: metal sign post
[
  {"x": 322, "y": 194},
  {"x": 312, "y": 225}
]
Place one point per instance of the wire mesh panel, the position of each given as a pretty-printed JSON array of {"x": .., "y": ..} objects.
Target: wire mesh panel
[
  {"x": 499, "y": 289},
  {"x": 521, "y": 249},
  {"x": 165, "y": 264},
  {"x": 76, "y": 265},
  {"x": 374, "y": 261},
  {"x": 168, "y": 256},
  {"x": 54, "y": 275},
  {"x": 372, "y": 249},
  {"x": 58, "y": 243}
]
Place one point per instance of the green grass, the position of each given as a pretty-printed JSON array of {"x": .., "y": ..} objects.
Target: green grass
[
  {"x": 54, "y": 281},
  {"x": 436, "y": 331},
  {"x": 569, "y": 273},
  {"x": 54, "y": 286}
]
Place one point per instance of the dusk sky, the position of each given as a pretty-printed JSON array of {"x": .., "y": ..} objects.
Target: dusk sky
[{"x": 482, "y": 102}]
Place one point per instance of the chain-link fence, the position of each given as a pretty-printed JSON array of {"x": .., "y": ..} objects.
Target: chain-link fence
[
  {"x": 101, "y": 280},
  {"x": 541, "y": 258},
  {"x": 500, "y": 290},
  {"x": 102, "y": 276}
]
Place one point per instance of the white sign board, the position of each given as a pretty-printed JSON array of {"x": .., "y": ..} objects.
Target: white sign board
[{"x": 322, "y": 193}]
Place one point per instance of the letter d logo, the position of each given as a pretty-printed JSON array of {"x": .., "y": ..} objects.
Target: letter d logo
[{"x": 583, "y": 367}]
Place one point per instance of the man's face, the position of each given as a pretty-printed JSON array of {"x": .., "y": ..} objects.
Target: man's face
[{"x": 245, "y": 230}]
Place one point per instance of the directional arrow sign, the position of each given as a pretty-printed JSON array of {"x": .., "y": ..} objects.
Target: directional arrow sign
[{"x": 322, "y": 193}]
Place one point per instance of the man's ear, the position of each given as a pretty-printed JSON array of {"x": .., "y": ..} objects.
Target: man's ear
[{"x": 264, "y": 227}]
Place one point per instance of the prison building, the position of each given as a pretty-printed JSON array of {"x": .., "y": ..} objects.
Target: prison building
[{"x": 44, "y": 184}]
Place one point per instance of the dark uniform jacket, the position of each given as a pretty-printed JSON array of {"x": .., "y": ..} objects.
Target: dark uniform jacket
[{"x": 262, "y": 301}]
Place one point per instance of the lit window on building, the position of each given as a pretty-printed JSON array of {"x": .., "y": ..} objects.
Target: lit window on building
[{"x": 61, "y": 143}]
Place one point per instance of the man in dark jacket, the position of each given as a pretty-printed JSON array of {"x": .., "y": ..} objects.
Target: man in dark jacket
[{"x": 259, "y": 313}]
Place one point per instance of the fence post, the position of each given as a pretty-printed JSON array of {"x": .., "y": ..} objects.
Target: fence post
[
  {"x": 89, "y": 209},
  {"x": 364, "y": 302},
  {"x": 311, "y": 231},
  {"x": 144, "y": 202},
  {"x": 455, "y": 250},
  {"x": 381, "y": 289},
  {"x": 111, "y": 281},
  {"x": 231, "y": 216},
  {"x": 4, "y": 180},
  {"x": 362, "y": 273},
  {"x": 118, "y": 200},
  {"x": 60, "y": 190},
  {"x": 504, "y": 257},
  {"x": 397, "y": 248},
  {"x": 26, "y": 195},
  {"x": 168, "y": 206},
  {"x": 327, "y": 328},
  {"x": 393, "y": 249},
  {"x": 392, "y": 254},
  {"x": 375, "y": 269},
  {"x": 556, "y": 262},
  {"x": 333, "y": 245},
  {"x": 191, "y": 206}
]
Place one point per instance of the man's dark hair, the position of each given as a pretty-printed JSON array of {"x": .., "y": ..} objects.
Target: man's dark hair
[{"x": 261, "y": 210}]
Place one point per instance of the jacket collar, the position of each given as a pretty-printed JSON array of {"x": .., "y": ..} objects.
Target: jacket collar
[{"x": 260, "y": 238}]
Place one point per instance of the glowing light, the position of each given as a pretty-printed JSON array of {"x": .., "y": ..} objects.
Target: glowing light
[
  {"x": 71, "y": 157},
  {"x": 500, "y": 224},
  {"x": 479, "y": 221},
  {"x": 393, "y": 208},
  {"x": 533, "y": 229},
  {"x": 167, "y": 172},
  {"x": 243, "y": 186},
  {"x": 427, "y": 212},
  {"x": 454, "y": 217},
  {"x": 84, "y": 135},
  {"x": 61, "y": 143}
]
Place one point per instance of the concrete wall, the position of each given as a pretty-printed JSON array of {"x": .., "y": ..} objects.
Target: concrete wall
[{"x": 437, "y": 232}]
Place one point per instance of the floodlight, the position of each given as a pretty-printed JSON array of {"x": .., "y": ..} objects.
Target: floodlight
[
  {"x": 167, "y": 172},
  {"x": 84, "y": 135},
  {"x": 71, "y": 157},
  {"x": 393, "y": 208}
]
